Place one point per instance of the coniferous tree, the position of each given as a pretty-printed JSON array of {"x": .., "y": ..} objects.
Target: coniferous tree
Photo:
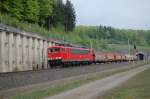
[
  {"x": 70, "y": 17},
  {"x": 57, "y": 17},
  {"x": 58, "y": 14}
]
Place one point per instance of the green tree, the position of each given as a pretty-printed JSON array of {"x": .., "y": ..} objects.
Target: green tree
[
  {"x": 12, "y": 7},
  {"x": 57, "y": 18},
  {"x": 31, "y": 11},
  {"x": 58, "y": 13},
  {"x": 104, "y": 44},
  {"x": 46, "y": 10},
  {"x": 70, "y": 17},
  {"x": 148, "y": 37}
]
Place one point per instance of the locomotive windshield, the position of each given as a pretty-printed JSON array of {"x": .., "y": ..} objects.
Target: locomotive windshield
[{"x": 52, "y": 50}]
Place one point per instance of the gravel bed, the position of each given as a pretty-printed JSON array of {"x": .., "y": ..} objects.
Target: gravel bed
[{"x": 19, "y": 79}]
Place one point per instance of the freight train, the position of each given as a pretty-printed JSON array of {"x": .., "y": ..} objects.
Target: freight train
[{"x": 68, "y": 55}]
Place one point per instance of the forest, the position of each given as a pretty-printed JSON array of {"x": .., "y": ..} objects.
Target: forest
[
  {"x": 45, "y": 13},
  {"x": 57, "y": 20}
]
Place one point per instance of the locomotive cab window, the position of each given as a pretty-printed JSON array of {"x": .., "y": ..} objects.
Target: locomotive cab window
[
  {"x": 52, "y": 50},
  {"x": 62, "y": 49}
]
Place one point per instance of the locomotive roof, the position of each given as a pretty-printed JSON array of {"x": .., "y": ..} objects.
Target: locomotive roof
[{"x": 69, "y": 47}]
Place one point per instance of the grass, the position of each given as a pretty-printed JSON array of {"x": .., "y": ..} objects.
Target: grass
[
  {"x": 34, "y": 28},
  {"x": 136, "y": 88},
  {"x": 58, "y": 88}
]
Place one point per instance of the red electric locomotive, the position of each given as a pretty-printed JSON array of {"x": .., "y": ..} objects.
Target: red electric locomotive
[{"x": 64, "y": 55}]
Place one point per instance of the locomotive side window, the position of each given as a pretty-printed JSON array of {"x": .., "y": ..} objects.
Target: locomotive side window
[
  {"x": 74, "y": 51},
  {"x": 84, "y": 51},
  {"x": 77, "y": 51}
]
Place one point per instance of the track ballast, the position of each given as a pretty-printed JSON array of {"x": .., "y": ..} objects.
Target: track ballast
[{"x": 19, "y": 79}]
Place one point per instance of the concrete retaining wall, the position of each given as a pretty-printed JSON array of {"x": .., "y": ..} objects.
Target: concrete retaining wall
[{"x": 22, "y": 51}]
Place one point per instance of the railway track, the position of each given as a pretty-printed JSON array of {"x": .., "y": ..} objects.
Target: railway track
[{"x": 20, "y": 79}]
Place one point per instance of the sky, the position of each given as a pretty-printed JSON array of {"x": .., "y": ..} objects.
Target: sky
[{"x": 129, "y": 14}]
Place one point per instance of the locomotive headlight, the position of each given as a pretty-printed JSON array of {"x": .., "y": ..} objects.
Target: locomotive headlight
[
  {"x": 49, "y": 58},
  {"x": 54, "y": 58},
  {"x": 58, "y": 57}
]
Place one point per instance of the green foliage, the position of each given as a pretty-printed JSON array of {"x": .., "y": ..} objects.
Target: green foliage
[
  {"x": 58, "y": 14},
  {"x": 46, "y": 13},
  {"x": 54, "y": 19},
  {"x": 148, "y": 37},
  {"x": 46, "y": 10},
  {"x": 104, "y": 44},
  {"x": 12, "y": 7},
  {"x": 70, "y": 17},
  {"x": 31, "y": 11},
  {"x": 108, "y": 35},
  {"x": 64, "y": 14},
  {"x": 86, "y": 35}
]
